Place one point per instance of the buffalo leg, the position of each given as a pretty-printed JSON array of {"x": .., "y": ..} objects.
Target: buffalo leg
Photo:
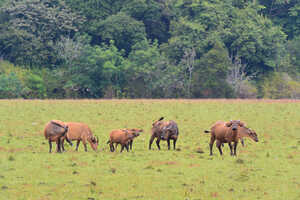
[
  {"x": 58, "y": 146},
  {"x": 126, "y": 146},
  {"x": 212, "y": 141},
  {"x": 230, "y": 146},
  {"x": 151, "y": 141},
  {"x": 70, "y": 143},
  {"x": 77, "y": 145},
  {"x": 157, "y": 143},
  {"x": 168, "y": 141},
  {"x": 85, "y": 147},
  {"x": 112, "y": 148},
  {"x": 122, "y": 148},
  {"x": 242, "y": 142},
  {"x": 62, "y": 141},
  {"x": 174, "y": 143},
  {"x": 219, "y": 146},
  {"x": 130, "y": 144},
  {"x": 50, "y": 146},
  {"x": 234, "y": 148}
]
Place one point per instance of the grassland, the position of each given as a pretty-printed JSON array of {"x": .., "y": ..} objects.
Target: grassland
[{"x": 269, "y": 169}]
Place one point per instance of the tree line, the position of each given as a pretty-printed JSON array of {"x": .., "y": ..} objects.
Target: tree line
[{"x": 149, "y": 49}]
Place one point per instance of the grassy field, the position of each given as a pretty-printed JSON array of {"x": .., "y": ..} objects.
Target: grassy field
[{"x": 269, "y": 169}]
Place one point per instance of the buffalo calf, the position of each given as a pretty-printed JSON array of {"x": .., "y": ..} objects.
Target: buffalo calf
[{"x": 123, "y": 137}]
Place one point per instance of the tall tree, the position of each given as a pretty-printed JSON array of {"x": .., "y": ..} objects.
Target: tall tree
[
  {"x": 156, "y": 16},
  {"x": 122, "y": 29},
  {"x": 285, "y": 13},
  {"x": 31, "y": 28},
  {"x": 255, "y": 39},
  {"x": 209, "y": 77}
]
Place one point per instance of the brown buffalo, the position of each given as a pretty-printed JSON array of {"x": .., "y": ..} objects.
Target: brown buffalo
[
  {"x": 123, "y": 137},
  {"x": 225, "y": 132},
  {"x": 164, "y": 130},
  {"x": 136, "y": 130},
  {"x": 54, "y": 131},
  {"x": 80, "y": 132},
  {"x": 247, "y": 132}
]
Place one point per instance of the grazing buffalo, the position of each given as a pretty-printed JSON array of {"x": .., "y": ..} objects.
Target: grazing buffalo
[
  {"x": 164, "y": 130},
  {"x": 123, "y": 137},
  {"x": 225, "y": 132},
  {"x": 80, "y": 132},
  {"x": 54, "y": 131},
  {"x": 247, "y": 132}
]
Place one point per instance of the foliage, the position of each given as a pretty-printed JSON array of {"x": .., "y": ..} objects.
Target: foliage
[
  {"x": 293, "y": 50},
  {"x": 209, "y": 79},
  {"x": 17, "y": 82},
  {"x": 94, "y": 70},
  {"x": 285, "y": 13},
  {"x": 10, "y": 86},
  {"x": 122, "y": 29},
  {"x": 156, "y": 16},
  {"x": 34, "y": 86},
  {"x": 145, "y": 70},
  {"x": 280, "y": 85},
  {"x": 149, "y": 48},
  {"x": 240, "y": 81},
  {"x": 255, "y": 39},
  {"x": 30, "y": 29}
]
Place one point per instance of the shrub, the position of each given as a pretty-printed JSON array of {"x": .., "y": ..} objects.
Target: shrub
[
  {"x": 34, "y": 86},
  {"x": 280, "y": 85},
  {"x": 10, "y": 86}
]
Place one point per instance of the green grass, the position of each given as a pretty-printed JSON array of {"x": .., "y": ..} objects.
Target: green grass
[{"x": 265, "y": 170}]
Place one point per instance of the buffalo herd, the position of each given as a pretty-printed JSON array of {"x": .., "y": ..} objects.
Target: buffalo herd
[{"x": 230, "y": 132}]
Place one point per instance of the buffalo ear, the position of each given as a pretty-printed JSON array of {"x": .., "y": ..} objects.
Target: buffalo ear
[
  {"x": 228, "y": 124},
  {"x": 161, "y": 118},
  {"x": 242, "y": 124}
]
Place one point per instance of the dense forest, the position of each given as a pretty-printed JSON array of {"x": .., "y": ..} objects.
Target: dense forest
[{"x": 149, "y": 49}]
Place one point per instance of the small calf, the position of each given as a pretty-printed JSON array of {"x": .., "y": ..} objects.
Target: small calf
[{"x": 123, "y": 137}]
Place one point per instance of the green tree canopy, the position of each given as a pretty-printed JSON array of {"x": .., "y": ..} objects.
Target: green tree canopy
[{"x": 31, "y": 28}]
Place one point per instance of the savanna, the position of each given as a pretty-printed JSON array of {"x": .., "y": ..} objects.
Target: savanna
[{"x": 268, "y": 169}]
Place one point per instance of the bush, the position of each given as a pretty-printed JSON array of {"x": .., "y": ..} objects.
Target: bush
[
  {"x": 280, "y": 85},
  {"x": 34, "y": 86},
  {"x": 10, "y": 86},
  {"x": 247, "y": 90}
]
